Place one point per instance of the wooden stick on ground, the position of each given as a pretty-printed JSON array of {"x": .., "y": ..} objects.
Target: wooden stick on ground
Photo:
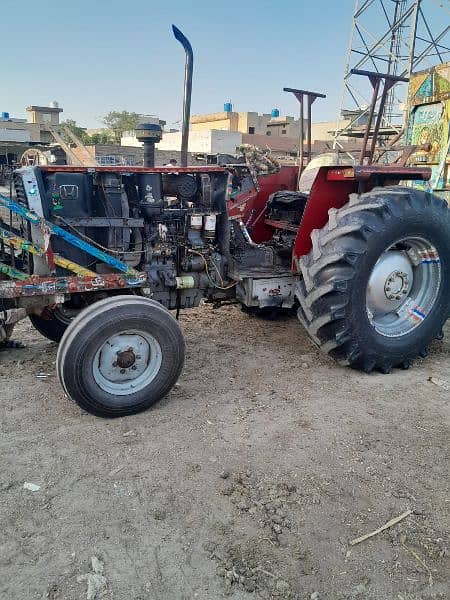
[
  {"x": 421, "y": 562},
  {"x": 385, "y": 526}
]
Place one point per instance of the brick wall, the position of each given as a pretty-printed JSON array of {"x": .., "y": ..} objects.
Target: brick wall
[{"x": 110, "y": 154}]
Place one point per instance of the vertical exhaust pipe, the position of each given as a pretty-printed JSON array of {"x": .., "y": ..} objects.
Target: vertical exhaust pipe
[{"x": 188, "y": 70}]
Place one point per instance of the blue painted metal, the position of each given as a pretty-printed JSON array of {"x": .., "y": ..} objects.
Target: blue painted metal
[
  {"x": 275, "y": 113},
  {"x": 228, "y": 107},
  {"x": 32, "y": 217}
]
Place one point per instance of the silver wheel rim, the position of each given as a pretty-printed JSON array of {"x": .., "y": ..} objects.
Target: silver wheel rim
[
  {"x": 403, "y": 286},
  {"x": 127, "y": 362}
]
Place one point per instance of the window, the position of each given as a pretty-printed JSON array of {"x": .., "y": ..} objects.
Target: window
[
  {"x": 106, "y": 160},
  {"x": 268, "y": 133},
  {"x": 117, "y": 159},
  {"x": 283, "y": 131},
  {"x": 251, "y": 130}
]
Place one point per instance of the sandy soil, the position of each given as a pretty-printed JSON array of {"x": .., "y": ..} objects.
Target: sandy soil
[{"x": 248, "y": 480}]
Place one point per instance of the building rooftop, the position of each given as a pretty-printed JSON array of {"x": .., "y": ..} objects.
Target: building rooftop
[{"x": 52, "y": 109}]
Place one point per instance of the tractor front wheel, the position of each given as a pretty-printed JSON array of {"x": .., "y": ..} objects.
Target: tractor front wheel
[
  {"x": 120, "y": 356},
  {"x": 375, "y": 288}
]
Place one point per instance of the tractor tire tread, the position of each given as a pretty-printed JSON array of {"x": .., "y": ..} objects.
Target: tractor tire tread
[{"x": 329, "y": 269}]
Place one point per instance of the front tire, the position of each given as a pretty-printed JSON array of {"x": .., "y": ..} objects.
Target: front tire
[
  {"x": 120, "y": 356},
  {"x": 375, "y": 288}
]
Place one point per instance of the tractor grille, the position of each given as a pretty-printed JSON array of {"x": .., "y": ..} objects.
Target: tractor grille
[
  {"x": 8, "y": 218},
  {"x": 20, "y": 190}
]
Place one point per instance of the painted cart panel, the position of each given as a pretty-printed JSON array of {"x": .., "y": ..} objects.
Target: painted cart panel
[{"x": 429, "y": 123}]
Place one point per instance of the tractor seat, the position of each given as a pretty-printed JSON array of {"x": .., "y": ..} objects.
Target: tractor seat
[
  {"x": 285, "y": 208},
  {"x": 286, "y": 199}
]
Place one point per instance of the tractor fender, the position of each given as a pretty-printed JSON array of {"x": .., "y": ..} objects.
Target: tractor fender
[{"x": 325, "y": 193}]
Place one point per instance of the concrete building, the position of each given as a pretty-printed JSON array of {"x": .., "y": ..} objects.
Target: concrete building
[
  {"x": 250, "y": 123},
  {"x": 271, "y": 130},
  {"x": 17, "y": 135},
  {"x": 19, "y": 130},
  {"x": 223, "y": 132},
  {"x": 207, "y": 141},
  {"x": 44, "y": 115},
  {"x": 210, "y": 141},
  {"x": 323, "y": 131},
  {"x": 35, "y": 129},
  {"x": 270, "y": 124}
]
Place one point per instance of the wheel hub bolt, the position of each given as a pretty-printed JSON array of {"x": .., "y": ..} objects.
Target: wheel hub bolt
[
  {"x": 126, "y": 359},
  {"x": 397, "y": 284}
]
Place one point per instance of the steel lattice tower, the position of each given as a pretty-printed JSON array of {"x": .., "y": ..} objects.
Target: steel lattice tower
[{"x": 396, "y": 37}]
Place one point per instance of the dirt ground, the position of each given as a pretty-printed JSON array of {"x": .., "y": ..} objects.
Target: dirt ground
[{"x": 248, "y": 481}]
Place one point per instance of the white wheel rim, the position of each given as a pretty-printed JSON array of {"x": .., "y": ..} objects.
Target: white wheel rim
[
  {"x": 127, "y": 362},
  {"x": 403, "y": 286}
]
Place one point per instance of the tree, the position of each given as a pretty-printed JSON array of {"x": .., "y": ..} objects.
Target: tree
[
  {"x": 80, "y": 132},
  {"x": 120, "y": 121},
  {"x": 101, "y": 137}
]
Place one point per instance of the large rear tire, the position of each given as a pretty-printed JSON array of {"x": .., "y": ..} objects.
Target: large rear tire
[
  {"x": 375, "y": 288},
  {"x": 120, "y": 356}
]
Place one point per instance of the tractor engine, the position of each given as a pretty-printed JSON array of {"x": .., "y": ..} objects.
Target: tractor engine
[{"x": 170, "y": 224}]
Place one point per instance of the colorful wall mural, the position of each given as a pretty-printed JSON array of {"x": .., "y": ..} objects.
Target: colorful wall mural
[{"x": 429, "y": 123}]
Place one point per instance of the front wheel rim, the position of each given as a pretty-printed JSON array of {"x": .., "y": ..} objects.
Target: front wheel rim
[
  {"x": 127, "y": 362},
  {"x": 403, "y": 286}
]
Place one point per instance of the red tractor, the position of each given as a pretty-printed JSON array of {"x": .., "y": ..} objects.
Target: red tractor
[
  {"x": 97, "y": 256},
  {"x": 366, "y": 259}
]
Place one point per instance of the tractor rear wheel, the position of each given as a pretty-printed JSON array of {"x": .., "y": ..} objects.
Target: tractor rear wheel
[
  {"x": 53, "y": 322},
  {"x": 375, "y": 288},
  {"x": 120, "y": 355}
]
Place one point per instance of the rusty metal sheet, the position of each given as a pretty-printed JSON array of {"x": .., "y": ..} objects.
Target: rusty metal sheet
[{"x": 41, "y": 286}]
